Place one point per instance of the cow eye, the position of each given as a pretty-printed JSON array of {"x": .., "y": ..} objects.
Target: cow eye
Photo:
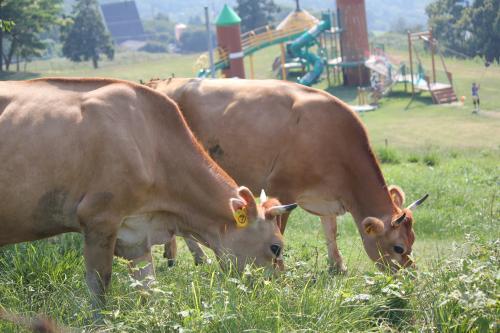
[
  {"x": 276, "y": 250},
  {"x": 399, "y": 249}
]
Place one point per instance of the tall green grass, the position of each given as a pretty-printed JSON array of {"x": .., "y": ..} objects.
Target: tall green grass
[{"x": 453, "y": 290}]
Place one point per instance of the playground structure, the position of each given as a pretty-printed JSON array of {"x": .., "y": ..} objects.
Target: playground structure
[
  {"x": 386, "y": 72},
  {"x": 338, "y": 43},
  {"x": 296, "y": 38},
  {"x": 440, "y": 92}
]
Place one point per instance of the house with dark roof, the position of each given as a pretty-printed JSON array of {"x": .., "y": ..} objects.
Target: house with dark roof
[{"x": 123, "y": 21}]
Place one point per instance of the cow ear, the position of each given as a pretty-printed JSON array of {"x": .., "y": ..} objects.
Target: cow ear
[
  {"x": 397, "y": 195},
  {"x": 372, "y": 226},
  {"x": 240, "y": 212},
  {"x": 247, "y": 196}
]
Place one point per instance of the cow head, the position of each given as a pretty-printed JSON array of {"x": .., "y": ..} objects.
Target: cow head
[
  {"x": 388, "y": 241},
  {"x": 254, "y": 236}
]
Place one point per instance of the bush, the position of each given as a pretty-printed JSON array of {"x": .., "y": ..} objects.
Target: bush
[
  {"x": 413, "y": 158},
  {"x": 431, "y": 159},
  {"x": 388, "y": 156},
  {"x": 154, "y": 47}
]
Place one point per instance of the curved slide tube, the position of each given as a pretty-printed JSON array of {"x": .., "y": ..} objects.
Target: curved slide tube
[{"x": 298, "y": 49}]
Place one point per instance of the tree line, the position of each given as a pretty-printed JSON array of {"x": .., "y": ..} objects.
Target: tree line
[
  {"x": 82, "y": 33},
  {"x": 467, "y": 28}
]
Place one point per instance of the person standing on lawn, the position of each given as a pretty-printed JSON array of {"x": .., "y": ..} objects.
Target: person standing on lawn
[{"x": 475, "y": 97}]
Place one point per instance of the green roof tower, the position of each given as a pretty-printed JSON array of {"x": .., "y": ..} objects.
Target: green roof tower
[
  {"x": 226, "y": 17},
  {"x": 229, "y": 39}
]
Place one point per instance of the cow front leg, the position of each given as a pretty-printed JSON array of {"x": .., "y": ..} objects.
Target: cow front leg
[
  {"x": 335, "y": 261},
  {"x": 98, "y": 253},
  {"x": 198, "y": 254},
  {"x": 142, "y": 269},
  {"x": 170, "y": 251}
]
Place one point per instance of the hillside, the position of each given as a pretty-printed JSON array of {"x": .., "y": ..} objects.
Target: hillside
[{"x": 382, "y": 14}]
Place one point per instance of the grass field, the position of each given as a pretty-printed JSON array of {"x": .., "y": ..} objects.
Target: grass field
[{"x": 441, "y": 150}]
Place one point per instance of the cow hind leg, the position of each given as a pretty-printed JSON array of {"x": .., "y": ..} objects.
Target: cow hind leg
[
  {"x": 170, "y": 251},
  {"x": 198, "y": 254},
  {"x": 336, "y": 264}
]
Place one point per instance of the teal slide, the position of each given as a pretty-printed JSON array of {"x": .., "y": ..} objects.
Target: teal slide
[
  {"x": 300, "y": 49},
  {"x": 205, "y": 72}
]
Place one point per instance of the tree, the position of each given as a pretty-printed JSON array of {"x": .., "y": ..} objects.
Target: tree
[
  {"x": 31, "y": 19},
  {"x": 470, "y": 30},
  {"x": 448, "y": 26},
  {"x": 194, "y": 40},
  {"x": 483, "y": 21},
  {"x": 255, "y": 13},
  {"x": 85, "y": 37},
  {"x": 160, "y": 29},
  {"x": 6, "y": 25}
]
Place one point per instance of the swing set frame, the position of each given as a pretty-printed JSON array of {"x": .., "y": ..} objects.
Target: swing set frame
[{"x": 436, "y": 89}]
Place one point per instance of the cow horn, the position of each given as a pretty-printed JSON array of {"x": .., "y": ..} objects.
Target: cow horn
[
  {"x": 417, "y": 203},
  {"x": 399, "y": 220},
  {"x": 263, "y": 196},
  {"x": 279, "y": 210}
]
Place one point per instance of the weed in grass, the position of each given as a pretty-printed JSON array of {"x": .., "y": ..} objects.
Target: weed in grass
[
  {"x": 413, "y": 158},
  {"x": 431, "y": 158},
  {"x": 388, "y": 155},
  {"x": 463, "y": 290}
]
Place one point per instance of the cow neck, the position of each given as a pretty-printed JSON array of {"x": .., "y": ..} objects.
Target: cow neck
[
  {"x": 200, "y": 192},
  {"x": 369, "y": 195}
]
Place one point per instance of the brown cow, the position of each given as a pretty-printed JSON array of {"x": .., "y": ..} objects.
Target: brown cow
[
  {"x": 83, "y": 155},
  {"x": 300, "y": 145}
]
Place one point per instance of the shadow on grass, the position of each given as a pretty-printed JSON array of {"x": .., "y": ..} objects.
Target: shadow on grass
[
  {"x": 420, "y": 99},
  {"x": 350, "y": 95},
  {"x": 16, "y": 76},
  {"x": 347, "y": 94}
]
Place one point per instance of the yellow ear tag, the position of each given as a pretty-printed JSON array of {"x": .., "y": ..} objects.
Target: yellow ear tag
[{"x": 241, "y": 217}]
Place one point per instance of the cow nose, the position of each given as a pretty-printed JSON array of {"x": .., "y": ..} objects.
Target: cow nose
[{"x": 276, "y": 250}]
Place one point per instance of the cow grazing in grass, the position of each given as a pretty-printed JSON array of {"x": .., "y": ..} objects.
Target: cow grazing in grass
[
  {"x": 273, "y": 211},
  {"x": 300, "y": 145},
  {"x": 116, "y": 162}
]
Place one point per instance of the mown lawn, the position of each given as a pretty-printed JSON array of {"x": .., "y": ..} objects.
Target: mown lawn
[{"x": 441, "y": 150}]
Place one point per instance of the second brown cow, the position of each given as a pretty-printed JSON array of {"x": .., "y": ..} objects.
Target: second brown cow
[{"x": 301, "y": 145}]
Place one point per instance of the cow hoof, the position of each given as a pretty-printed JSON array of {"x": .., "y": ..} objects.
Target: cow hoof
[
  {"x": 202, "y": 261},
  {"x": 171, "y": 262},
  {"x": 338, "y": 269}
]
